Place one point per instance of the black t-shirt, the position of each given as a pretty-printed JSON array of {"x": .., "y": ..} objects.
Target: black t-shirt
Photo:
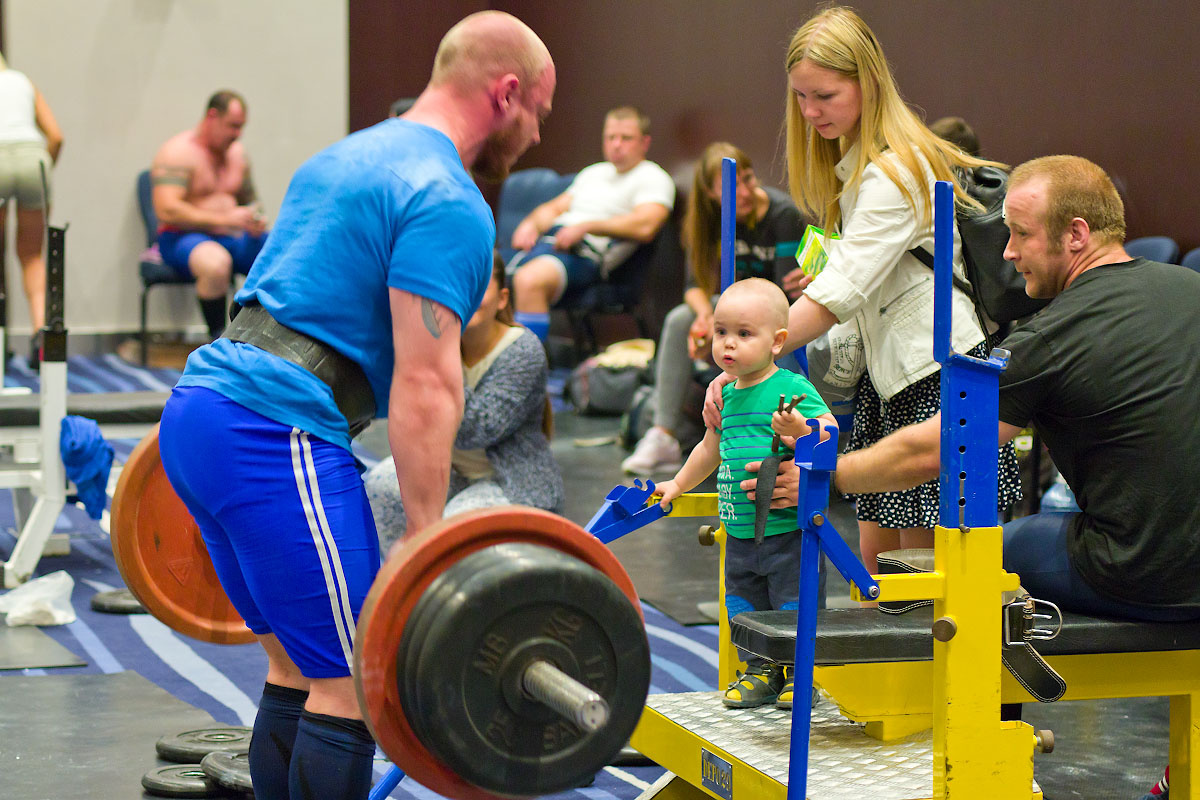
[
  {"x": 767, "y": 250},
  {"x": 1109, "y": 374}
]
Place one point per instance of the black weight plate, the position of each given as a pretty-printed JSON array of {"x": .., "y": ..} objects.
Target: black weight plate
[
  {"x": 229, "y": 770},
  {"x": 470, "y": 636},
  {"x": 191, "y": 746},
  {"x": 179, "y": 780},
  {"x": 118, "y": 601}
]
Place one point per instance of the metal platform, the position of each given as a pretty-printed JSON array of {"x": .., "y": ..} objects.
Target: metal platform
[{"x": 678, "y": 729}]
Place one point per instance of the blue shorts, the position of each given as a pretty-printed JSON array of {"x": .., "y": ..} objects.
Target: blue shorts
[
  {"x": 176, "y": 247},
  {"x": 285, "y": 518},
  {"x": 581, "y": 271}
]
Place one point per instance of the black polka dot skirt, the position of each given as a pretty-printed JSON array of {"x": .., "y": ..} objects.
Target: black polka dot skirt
[{"x": 875, "y": 418}]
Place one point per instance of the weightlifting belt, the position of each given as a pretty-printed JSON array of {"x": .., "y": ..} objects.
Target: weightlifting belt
[
  {"x": 351, "y": 391},
  {"x": 1020, "y": 625}
]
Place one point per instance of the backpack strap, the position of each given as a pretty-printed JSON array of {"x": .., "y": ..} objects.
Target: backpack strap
[{"x": 926, "y": 258}]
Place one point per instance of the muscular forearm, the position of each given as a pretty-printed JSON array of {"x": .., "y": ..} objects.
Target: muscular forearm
[
  {"x": 905, "y": 459},
  {"x": 636, "y": 225},
  {"x": 424, "y": 411},
  {"x": 186, "y": 216}
]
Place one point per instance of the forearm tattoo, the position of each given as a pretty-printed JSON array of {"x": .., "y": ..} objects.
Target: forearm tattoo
[{"x": 429, "y": 317}]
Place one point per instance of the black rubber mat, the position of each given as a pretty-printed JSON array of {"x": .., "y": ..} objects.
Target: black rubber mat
[{"x": 26, "y": 647}]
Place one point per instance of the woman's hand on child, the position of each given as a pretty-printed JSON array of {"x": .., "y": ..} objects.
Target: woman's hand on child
[
  {"x": 666, "y": 492},
  {"x": 713, "y": 400}
]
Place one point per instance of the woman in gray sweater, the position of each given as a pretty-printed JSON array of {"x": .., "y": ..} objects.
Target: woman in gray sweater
[{"x": 502, "y": 452}]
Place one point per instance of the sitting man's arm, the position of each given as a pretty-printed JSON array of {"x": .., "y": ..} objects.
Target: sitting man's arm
[
  {"x": 247, "y": 195},
  {"x": 907, "y": 458},
  {"x": 171, "y": 177},
  {"x": 904, "y": 459},
  {"x": 538, "y": 221},
  {"x": 641, "y": 225}
]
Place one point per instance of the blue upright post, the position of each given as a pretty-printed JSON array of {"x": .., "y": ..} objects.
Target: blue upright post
[
  {"x": 728, "y": 218},
  {"x": 387, "y": 783}
]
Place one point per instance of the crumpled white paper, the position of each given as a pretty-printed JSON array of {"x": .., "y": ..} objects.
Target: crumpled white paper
[{"x": 41, "y": 601}]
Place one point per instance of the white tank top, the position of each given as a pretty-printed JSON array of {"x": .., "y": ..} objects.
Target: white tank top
[{"x": 16, "y": 108}]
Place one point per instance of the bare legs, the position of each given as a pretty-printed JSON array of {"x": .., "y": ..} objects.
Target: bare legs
[{"x": 31, "y": 245}]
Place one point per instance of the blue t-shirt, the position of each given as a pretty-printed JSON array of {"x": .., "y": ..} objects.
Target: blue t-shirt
[{"x": 389, "y": 206}]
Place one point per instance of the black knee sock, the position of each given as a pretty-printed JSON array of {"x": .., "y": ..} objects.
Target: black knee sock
[
  {"x": 214, "y": 315},
  {"x": 274, "y": 734},
  {"x": 331, "y": 760}
]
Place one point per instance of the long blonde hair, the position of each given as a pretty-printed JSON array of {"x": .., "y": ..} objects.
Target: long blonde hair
[
  {"x": 702, "y": 219},
  {"x": 837, "y": 39}
]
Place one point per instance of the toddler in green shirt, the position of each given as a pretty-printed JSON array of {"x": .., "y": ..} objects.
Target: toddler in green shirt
[{"x": 749, "y": 330}]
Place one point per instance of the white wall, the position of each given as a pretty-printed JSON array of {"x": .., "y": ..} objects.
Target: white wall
[{"x": 123, "y": 75}]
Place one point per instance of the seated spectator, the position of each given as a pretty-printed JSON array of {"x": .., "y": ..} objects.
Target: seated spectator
[
  {"x": 574, "y": 240},
  {"x": 956, "y": 131},
  {"x": 502, "y": 453},
  {"x": 210, "y": 221},
  {"x": 767, "y": 233}
]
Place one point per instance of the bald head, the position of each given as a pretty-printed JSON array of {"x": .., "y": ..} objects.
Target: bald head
[
  {"x": 485, "y": 46},
  {"x": 768, "y": 299}
]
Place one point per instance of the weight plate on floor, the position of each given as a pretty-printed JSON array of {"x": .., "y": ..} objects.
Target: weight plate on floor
[
  {"x": 191, "y": 746},
  {"x": 162, "y": 557},
  {"x": 472, "y": 635},
  {"x": 400, "y": 584},
  {"x": 180, "y": 780},
  {"x": 117, "y": 601},
  {"x": 229, "y": 770}
]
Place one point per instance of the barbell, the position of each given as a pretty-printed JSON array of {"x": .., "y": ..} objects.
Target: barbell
[{"x": 501, "y": 652}]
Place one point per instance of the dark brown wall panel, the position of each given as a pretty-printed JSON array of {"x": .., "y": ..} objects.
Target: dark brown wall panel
[{"x": 1105, "y": 79}]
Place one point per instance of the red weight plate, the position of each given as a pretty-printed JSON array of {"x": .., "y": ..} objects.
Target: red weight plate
[
  {"x": 400, "y": 584},
  {"x": 161, "y": 556}
]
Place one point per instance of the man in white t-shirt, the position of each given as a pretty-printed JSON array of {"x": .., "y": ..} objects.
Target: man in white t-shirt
[{"x": 574, "y": 240}]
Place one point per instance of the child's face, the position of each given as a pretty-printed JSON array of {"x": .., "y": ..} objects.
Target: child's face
[{"x": 744, "y": 340}]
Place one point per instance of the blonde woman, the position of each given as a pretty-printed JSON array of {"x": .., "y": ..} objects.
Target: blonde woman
[
  {"x": 863, "y": 164},
  {"x": 30, "y": 140}
]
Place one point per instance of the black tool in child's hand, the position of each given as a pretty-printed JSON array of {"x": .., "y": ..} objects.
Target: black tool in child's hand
[{"x": 768, "y": 471}]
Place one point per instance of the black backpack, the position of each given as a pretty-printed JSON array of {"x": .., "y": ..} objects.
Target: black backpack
[{"x": 997, "y": 289}]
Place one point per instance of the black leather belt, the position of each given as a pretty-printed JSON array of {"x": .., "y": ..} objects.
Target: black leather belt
[{"x": 351, "y": 390}]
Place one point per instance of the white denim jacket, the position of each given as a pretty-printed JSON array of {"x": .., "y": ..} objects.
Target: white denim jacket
[{"x": 873, "y": 282}]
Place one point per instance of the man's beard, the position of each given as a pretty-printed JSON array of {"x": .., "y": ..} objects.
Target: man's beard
[{"x": 497, "y": 156}]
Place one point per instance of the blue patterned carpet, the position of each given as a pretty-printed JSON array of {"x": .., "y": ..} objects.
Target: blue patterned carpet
[{"x": 225, "y": 681}]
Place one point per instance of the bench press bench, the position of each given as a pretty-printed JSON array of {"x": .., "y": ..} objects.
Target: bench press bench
[{"x": 878, "y": 668}]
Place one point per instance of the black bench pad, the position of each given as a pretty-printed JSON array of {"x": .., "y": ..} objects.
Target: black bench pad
[
  {"x": 106, "y": 408},
  {"x": 865, "y": 635}
]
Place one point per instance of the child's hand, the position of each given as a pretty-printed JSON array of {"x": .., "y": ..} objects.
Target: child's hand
[
  {"x": 789, "y": 423},
  {"x": 668, "y": 491}
]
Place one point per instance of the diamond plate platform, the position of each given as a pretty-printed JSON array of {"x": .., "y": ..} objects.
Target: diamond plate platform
[{"x": 843, "y": 761}]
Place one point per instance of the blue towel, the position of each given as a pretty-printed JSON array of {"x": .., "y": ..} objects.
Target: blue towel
[{"x": 88, "y": 459}]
